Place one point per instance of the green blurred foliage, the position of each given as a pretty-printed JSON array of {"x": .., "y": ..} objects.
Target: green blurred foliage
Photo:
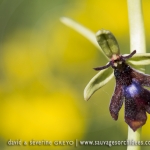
[{"x": 44, "y": 67}]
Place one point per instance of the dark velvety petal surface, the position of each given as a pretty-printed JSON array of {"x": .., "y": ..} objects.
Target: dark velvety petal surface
[
  {"x": 116, "y": 101},
  {"x": 136, "y": 106},
  {"x": 145, "y": 95},
  {"x": 135, "y": 116},
  {"x": 143, "y": 79}
]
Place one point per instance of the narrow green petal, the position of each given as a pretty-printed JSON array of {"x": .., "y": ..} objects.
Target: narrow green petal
[
  {"x": 83, "y": 31},
  {"x": 99, "y": 80},
  {"x": 140, "y": 59}
]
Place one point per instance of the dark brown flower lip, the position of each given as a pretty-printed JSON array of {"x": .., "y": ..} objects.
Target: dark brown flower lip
[
  {"x": 137, "y": 99},
  {"x": 129, "y": 86}
]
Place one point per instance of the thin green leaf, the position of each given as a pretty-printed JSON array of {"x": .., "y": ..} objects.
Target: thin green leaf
[
  {"x": 99, "y": 80},
  {"x": 82, "y": 30}
]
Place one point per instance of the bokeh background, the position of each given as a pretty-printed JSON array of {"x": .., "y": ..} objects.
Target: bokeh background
[{"x": 45, "y": 66}]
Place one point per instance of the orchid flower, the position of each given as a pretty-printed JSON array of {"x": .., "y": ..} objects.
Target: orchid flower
[{"x": 129, "y": 81}]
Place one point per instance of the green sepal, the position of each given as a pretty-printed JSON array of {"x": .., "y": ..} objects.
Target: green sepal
[
  {"x": 107, "y": 42},
  {"x": 99, "y": 80},
  {"x": 139, "y": 59}
]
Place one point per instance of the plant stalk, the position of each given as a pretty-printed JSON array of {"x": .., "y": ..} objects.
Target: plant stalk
[{"x": 137, "y": 42}]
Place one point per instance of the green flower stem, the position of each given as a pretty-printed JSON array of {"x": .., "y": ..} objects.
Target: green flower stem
[
  {"x": 137, "y": 42},
  {"x": 136, "y": 25}
]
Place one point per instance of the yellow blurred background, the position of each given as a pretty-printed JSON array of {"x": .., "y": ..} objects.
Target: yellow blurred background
[{"x": 45, "y": 66}]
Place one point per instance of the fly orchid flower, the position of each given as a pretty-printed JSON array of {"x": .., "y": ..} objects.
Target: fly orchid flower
[{"x": 129, "y": 83}]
